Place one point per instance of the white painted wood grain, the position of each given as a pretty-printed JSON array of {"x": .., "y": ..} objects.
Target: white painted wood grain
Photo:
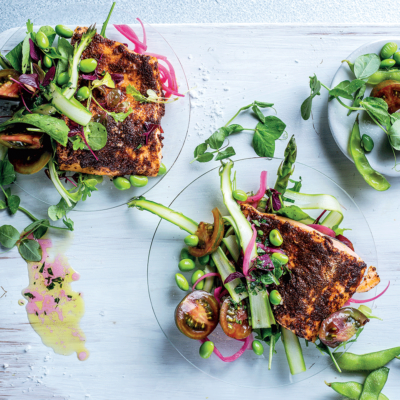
[{"x": 130, "y": 357}]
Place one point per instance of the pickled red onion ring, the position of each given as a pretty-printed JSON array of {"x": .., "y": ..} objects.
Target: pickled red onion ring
[
  {"x": 235, "y": 356},
  {"x": 366, "y": 300},
  {"x": 261, "y": 191},
  {"x": 204, "y": 277},
  {"x": 247, "y": 254},
  {"x": 323, "y": 229}
]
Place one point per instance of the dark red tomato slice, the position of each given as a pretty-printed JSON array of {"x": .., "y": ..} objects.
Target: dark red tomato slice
[
  {"x": 8, "y": 88},
  {"x": 345, "y": 241},
  {"x": 390, "y": 92},
  {"x": 197, "y": 314},
  {"x": 341, "y": 326},
  {"x": 234, "y": 320},
  {"x": 29, "y": 162}
]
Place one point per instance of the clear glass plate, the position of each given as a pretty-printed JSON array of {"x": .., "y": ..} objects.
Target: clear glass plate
[
  {"x": 196, "y": 201},
  {"x": 175, "y": 123}
]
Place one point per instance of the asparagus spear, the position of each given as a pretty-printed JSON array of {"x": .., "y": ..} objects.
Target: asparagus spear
[{"x": 286, "y": 168}]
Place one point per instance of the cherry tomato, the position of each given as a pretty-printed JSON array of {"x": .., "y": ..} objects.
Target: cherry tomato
[
  {"x": 196, "y": 316},
  {"x": 234, "y": 320},
  {"x": 341, "y": 326},
  {"x": 390, "y": 92},
  {"x": 345, "y": 241}
]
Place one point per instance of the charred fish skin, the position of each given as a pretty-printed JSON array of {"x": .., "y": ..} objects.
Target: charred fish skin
[
  {"x": 126, "y": 151},
  {"x": 324, "y": 274}
]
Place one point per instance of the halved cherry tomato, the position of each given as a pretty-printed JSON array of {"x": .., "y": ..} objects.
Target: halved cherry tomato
[
  {"x": 341, "y": 326},
  {"x": 390, "y": 92},
  {"x": 29, "y": 162},
  {"x": 234, "y": 320},
  {"x": 345, "y": 241},
  {"x": 8, "y": 89},
  {"x": 196, "y": 316},
  {"x": 21, "y": 140},
  {"x": 209, "y": 235}
]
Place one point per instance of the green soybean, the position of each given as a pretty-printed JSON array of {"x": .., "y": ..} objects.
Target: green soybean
[
  {"x": 367, "y": 143},
  {"x": 186, "y": 264},
  {"x": 388, "y": 50},
  {"x": 139, "y": 180},
  {"x": 239, "y": 195},
  {"x": 63, "y": 78},
  {"x": 162, "y": 170},
  {"x": 204, "y": 260},
  {"x": 197, "y": 275},
  {"x": 88, "y": 65},
  {"x": 275, "y": 237},
  {"x": 47, "y": 62},
  {"x": 372, "y": 177},
  {"x": 212, "y": 263},
  {"x": 257, "y": 347},
  {"x": 388, "y": 63},
  {"x": 83, "y": 93},
  {"x": 366, "y": 362},
  {"x": 42, "y": 41},
  {"x": 64, "y": 32},
  {"x": 350, "y": 390},
  {"x": 191, "y": 240},
  {"x": 275, "y": 298},
  {"x": 374, "y": 384},
  {"x": 121, "y": 183},
  {"x": 206, "y": 349},
  {"x": 182, "y": 282},
  {"x": 185, "y": 254},
  {"x": 396, "y": 57},
  {"x": 282, "y": 258}
]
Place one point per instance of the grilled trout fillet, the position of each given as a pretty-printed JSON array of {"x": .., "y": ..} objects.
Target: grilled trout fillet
[
  {"x": 126, "y": 152},
  {"x": 325, "y": 273}
]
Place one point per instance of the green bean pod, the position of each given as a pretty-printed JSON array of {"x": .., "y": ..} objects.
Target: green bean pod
[
  {"x": 351, "y": 390},
  {"x": 366, "y": 362},
  {"x": 372, "y": 177},
  {"x": 380, "y": 76},
  {"x": 374, "y": 384}
]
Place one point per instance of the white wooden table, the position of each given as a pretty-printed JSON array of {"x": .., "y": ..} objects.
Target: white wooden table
[{"x": 231, "y": 65}]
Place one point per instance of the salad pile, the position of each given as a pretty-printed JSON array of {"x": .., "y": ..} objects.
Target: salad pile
[{"x": 240, "y": 268}]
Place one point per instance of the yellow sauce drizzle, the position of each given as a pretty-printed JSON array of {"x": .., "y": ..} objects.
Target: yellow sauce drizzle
[{"x": 54, "y": 309}]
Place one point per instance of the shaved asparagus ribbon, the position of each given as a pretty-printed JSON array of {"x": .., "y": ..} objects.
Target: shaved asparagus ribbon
[
  {"x": 204, "y": 277},
  {"x": 246, "y": 345},
  {"x": 247, "y": 254},
  {"x": 261, "y": 191},
  {"x": 323, "y": 229},
  {"x": 366, "y": 300}
]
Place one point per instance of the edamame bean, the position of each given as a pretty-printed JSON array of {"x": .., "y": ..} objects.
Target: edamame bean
[
  {"x": 42, "y": 41},
  {"x": 282, "y": 258},
  {"x": 182, "y": 282},
  {"x": 197, "y": 275},
  {"x": 186, "y": 264},
  {"x": 162, "y": 170},
  {"x": 62, "y": 79},
  {"x": 396, "y": 57},
  {"x": 260, "y": 232},
  {"x": 206, "y": 349},
  {"x": 275, "y": 237},
  {"x": 388, "y": 63},
  {"x": 191, "y": 240},
  {"x": 83, "y": 93},
  {"x": 239, "y": 195},
  {"x": 121, "y": 183},
  {"x": 88, "y": 65},
  {"x": 47, "y": 62},
  {"x": 204, "y": 260},
  {"x": 185, "y": 254},
  {"x": 366, "y": 362},
  {"x": 139, "y": 180},
  {"x": 257, "y": 347},
  {"x": 372, "y": 177},
  {"x": 388, "y": 50},
  {"x": 374, "y": 384},
  {"x": 275, "y": 298},
  {"x": 367, "y": 143},
  {"x": 64, "y": 32},
  {"x": 212, "y": 263},
  {"x": 350, "y": 390}
]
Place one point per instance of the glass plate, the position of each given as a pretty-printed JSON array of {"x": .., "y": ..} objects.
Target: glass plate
[
  {"x": 175, "y": 123},
  {"x": 196, "y": 201}
]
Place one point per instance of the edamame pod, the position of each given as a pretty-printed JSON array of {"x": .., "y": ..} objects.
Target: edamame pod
[
  {"x": 374, "y": 384},
  {"x": 351, "y": 390},
  {"x": 366, "y": 362},
  {"x": 372, "y": 177}
]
